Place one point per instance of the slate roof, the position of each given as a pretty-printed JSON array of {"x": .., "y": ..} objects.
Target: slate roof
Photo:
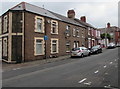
[
  {"x": 47, "y": 13},
  {"x": 84, "y": 23}
]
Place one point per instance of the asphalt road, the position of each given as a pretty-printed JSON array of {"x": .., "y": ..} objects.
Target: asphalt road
[{"x": 99, "y": 70}]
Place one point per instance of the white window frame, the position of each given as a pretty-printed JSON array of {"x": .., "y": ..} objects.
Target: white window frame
[
  {"x": 42, "y": 39},
  {"x": 57, "y": 43},
  {"x": 56, "y": 28},
  {"x": 42, "y": 24},
  {"x": 67, "y": 44},
  {"x": 77, "y": 31},
  {"x": 67, "y": 30},
  {"x": 74, "y": 32},
  {"x": 5, "y": 47},
  {"x": 5, "y": 24}
]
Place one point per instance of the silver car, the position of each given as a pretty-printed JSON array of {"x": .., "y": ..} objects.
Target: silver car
[{"x": 81, "y": 52}]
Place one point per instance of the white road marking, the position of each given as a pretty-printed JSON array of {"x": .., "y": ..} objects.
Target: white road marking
[
  {"x": 82, "y": 80},
  {"x": 105, "y": 66},
  {"x": 106, "y": 73},
  {"x": 16, "y": 68},
  {"x": 111, "y": 62},
  {"x": 89, "y": 83},
  {"x": 96, "y": 71}
]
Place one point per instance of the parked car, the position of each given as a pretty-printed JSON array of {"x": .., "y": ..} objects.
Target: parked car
[
  {"x": 80, "y": 52},
  {"x": 96, "y": 49},
  {"x": 111, "y": 45},
  {"x": 118, "y": 45}
]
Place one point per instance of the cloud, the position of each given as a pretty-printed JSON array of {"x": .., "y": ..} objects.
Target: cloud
[{"x": 98, "y": 12}]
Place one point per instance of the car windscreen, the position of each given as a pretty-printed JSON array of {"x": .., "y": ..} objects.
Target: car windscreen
[{"x": 95, "y": 47}]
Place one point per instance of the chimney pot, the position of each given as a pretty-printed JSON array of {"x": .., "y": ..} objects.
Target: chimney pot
[
  {"x": 108, "y": 25},
  {"x": 83, "y": 18},
  {"x": 71, "y": 14}
]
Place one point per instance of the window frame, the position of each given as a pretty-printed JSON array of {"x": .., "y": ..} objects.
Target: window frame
[
  {"x": 42, "y": 24},
  {"x": 5, "y": 24},
  {"x": 5, "y": 48},
  {"x": 43, "y": 46},
  {"x": 57, "y": 46},
  {"x": 68, "y": 44},
  {"x": 0, "y": 25},
  {"x": 54, "y": 21}
]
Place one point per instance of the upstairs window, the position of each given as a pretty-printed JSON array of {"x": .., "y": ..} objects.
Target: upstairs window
[
  {"x": 39, "y": 24},
  {"x": 67, "y": 30},
  {"x": 5, "y": 24},
  {"x": 54, "y": 27},
  {"x": 77, "y": 33}
]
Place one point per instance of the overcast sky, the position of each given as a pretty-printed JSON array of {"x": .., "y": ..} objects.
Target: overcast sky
[{"x": 97, "y": 12}]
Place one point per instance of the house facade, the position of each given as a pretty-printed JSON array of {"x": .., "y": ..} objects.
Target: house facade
[
  {"x": 114, "y": 33},
  {"x": 32, "y": 33}
]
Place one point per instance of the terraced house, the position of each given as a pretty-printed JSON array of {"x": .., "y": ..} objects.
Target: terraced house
[{"x": 33, "y": 33}]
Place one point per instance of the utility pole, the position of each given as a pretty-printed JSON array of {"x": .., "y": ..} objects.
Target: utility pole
[{"x": 105, "y": 36}]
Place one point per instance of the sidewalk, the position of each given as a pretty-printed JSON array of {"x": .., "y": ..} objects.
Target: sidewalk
[{"x": 6, "y": 66}]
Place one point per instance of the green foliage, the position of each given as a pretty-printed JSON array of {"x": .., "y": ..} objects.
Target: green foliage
[{"x": 106, "y": 35}]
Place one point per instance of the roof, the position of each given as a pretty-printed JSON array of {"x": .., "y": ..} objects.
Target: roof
[
  {"x": 34, "y": 9},
  {"x": 66, "y": 19},
  {"x": 84, "y": 23},
  {"x": 44, "y": 12}
]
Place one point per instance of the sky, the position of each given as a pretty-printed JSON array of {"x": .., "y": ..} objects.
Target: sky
[{"x": 98, "y": 12}]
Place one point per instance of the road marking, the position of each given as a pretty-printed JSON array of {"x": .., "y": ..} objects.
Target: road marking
[
  {"x": 82, "y": 80},
  {"x": 89, "y": 83},
  {"x": 16, "y": 68},
  {"x": 96, "y": 71},
  {"x": 106, "y": 73},
  {"x": 105, "y": 66},
  {"x": 111, "y": 62}
]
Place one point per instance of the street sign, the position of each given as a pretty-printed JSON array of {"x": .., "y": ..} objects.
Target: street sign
[{"x": 45, "y": 37}]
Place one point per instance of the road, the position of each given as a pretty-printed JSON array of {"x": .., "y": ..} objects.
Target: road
[{"x": 99, "y": 70}]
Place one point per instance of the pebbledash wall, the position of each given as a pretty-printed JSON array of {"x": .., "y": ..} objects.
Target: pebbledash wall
[{"x": 23, "y": 34}]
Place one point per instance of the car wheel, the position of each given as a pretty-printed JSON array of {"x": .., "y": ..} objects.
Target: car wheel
[
  {"x": 89, "y": 54},
  {"x": 82, "y": 55}
]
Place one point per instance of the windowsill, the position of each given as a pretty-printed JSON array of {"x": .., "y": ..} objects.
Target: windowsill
[
  {"x": 39, "y": 32},
  {"x": 38, "y": 54},
  {"x": 54, "y": 52},
  {"x": 67, "y": 51},
  {"x": 54, "y": 33}
]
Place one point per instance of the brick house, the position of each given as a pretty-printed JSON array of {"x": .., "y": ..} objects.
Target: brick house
[
  {"x": 91, "y": 37},
  {"x": 25, "y": 28},
  {"x": 113, "y": 31}
]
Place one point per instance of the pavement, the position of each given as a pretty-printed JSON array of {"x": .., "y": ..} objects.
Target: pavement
[{"x": 6, "y": 66}]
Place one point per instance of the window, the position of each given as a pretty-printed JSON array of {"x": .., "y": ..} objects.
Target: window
[
  {"x": 5, "y": 47},
  {"x": 74, "y": 32},
  {"x": 76, "y": 44},
  {"x": 89, "y": 31},
  {"x": 54, "y": 27},
  {"x": 54, "y": 45},
  {"x": 77, "y": 33},
  {"x": 39, "y": 46},
  {"x": 0, "y": 25},
  {"x": 39, "y": 24},
  {"x": 5, "y": 24},
  {"x": 67, "y": 30},
  {"x": 68, "y": 46}
]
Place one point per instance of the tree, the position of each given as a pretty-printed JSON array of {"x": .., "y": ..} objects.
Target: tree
[{"x": 107, "y": 35}]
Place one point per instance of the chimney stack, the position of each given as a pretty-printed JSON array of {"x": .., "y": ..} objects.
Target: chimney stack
[
  {"x": 71, "y": 14},
  {"x": 83, "y": 18},
  {"x": 108, "y": 25}
]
